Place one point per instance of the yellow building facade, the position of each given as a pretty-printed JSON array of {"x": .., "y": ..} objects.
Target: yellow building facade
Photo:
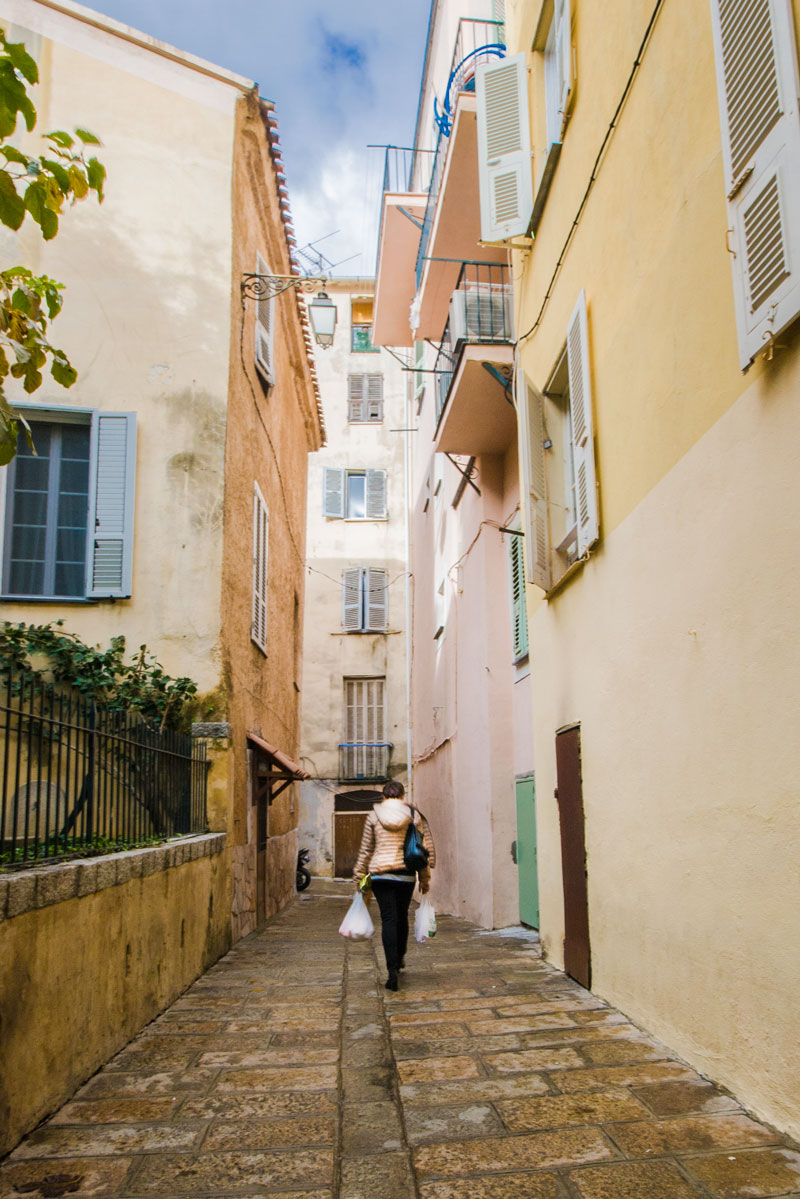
[{"x": 658, "y": 374}]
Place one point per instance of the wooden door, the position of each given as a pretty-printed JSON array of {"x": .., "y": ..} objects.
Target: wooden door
[
  {"x": 261, "y": 788},
  {"x": 577, "y": 953},
  {"x": 527, "y": 852},
  {"x": 347, "y": 830}
]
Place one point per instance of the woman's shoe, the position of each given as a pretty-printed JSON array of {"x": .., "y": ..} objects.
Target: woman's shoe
[
  {"x": 391, "y": 982},
  {"x": 402, "y": 965}
]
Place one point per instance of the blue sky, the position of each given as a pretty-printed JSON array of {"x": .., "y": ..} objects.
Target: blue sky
[{"x": 342, "y": 75}]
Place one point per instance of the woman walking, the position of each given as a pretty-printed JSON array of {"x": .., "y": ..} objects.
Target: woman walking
[{"x": 381, "y": 856}]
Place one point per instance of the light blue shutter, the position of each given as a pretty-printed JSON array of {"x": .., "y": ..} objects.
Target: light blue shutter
[
  {"x": 258, "y": 626},
  {"x": 110, "y": 532},
  {"x": 376, "y": 599},
  {"x": 376, "y": 494},
  {"x": 356, "y": 406},
  {"x": 351, "y": 598},
  {"x": 333, "y": 492}
]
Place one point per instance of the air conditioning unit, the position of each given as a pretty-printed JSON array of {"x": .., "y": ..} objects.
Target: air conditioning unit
[{"x": 481, "y": 312}]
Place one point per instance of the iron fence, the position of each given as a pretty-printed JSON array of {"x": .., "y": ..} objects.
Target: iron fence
[
  {"x": 362, "y": 760},
  {"x": 76, "y": 773},
  {"x": 481, "y": 310}
]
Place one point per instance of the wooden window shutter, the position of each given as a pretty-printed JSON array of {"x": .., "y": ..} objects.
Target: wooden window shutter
[
  {"x": 580, "y": 408},
  {"x": 258, "y": 630},
  {"x": 376, "y": 494},
  {"x": 757, "y": 84},
  {"x": 351, "y": 598},
  {"x": 530, "y": 415},
  {"x": 376, "y": 599},
  {"x": 265, "y": 321},
  {"x": 374, "y": 398},
  {"x": 504, "y": 148},
  {"x": 333, "y": 492},
  {"x": 519, "y": 615},
  {"x": 110, "y": 529},
  {"x": 563, "y": 19},
  {"x": 356, "y": 398}
]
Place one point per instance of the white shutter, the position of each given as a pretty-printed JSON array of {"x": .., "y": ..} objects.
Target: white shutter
[
  {"x": 376, "y": 494},
  {"x": 110, "y": 531},
  {"x": 580, "y": 411},
  {"x": 374, "y": 398},
  {"x": 563, "y": 19},
  {"x": 356, "y": 405},
  {"x": 519, "y": 616},
  {"x": 530, "y": 416},
  {"x": 756, "y": 57},
  {"x": 258, "y": 629},
  {"x": 376, "y": 599},
  {"x": 265, "y": 321},
  {"x": 504, "y": 148},
  {"x": 333, "y": 492},
  {"x": 351, "y": 598}
]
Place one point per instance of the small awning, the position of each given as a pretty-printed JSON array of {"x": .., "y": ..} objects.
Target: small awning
[{"x": 282, "y": 768}]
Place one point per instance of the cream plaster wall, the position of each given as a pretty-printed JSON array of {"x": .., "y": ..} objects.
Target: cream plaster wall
[
  {"x": 329, "y": 654},
  {"x": 145, "y": 318}
]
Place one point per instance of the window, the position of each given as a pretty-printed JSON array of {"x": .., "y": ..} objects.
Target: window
[
  {"x": 365, "y": 399},
  {"x": 361, "y": 326},
  {"x": 364, "y": 599},
  {"x": 354, "y": 494},
  {"x": 265, "y": 323},
  {"x": 69, "y": 508},
  {"x": 504, "y": 148},
  {"x": 365, "y": 747},
  {"x": 756, "y": 57},
  {"x": 258, "y": 628},
  {"x": 519, "y": 615},
  {"x": 558, "y": 72},
  {"x": 561, "y": 511}
]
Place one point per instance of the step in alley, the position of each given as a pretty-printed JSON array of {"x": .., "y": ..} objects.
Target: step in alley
[{"x": 288, "y": 1071}]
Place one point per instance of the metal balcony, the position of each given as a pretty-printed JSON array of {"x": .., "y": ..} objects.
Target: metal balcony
[{"x": 364, "y": 761}]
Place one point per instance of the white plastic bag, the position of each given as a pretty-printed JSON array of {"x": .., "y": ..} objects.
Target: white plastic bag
[
  {"x": 424, "y": 921},
  {"x": 357, "y": 924}
]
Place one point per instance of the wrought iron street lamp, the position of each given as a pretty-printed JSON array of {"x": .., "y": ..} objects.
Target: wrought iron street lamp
[{"x": 322, "y": 311}]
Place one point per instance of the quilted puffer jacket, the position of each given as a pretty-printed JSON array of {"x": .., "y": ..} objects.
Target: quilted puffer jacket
[{"x": 381, "y": 849}]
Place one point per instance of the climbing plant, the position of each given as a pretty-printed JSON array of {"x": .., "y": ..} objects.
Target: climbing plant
[
  {"x": 102, "y": 675},
  {"x": 37, "y": 186}
]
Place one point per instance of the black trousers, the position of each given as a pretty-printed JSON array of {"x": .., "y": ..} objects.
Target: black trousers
[{"x": 394, "y": 899}]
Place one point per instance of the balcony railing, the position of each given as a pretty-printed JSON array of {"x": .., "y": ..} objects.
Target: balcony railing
[
  {"x": 476, "y": 42},
  {"x": 404, "y": 170},
  {"x": 361, "y": 761},
  {"x": 480, "y": 312}
]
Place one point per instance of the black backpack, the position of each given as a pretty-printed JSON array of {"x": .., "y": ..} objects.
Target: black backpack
[{"x": 415, "y": 855}]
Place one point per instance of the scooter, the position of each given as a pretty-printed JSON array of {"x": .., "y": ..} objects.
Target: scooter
[{"x": 303, "y": 877}]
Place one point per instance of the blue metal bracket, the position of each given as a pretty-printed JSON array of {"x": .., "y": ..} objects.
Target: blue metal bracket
[{"x": 444, "y": 118}]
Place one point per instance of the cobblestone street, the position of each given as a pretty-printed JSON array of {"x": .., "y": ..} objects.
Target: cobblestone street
[{"x": 288, "y": 1070}]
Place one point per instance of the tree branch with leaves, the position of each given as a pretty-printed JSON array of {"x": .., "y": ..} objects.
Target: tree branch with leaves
[{"x": 38, "y": 186}]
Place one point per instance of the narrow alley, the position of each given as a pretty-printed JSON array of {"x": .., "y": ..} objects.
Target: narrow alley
[{"x": 288, "y": 1070}]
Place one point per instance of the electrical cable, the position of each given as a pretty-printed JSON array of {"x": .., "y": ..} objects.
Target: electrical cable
[{"x": 593, "y": 176}]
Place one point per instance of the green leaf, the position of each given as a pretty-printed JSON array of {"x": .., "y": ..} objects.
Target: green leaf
[
  {"x": 58, "y": 172},
  {"x": 12, "y": 154},
  {"x": 22, "y": 61},
  {"x": 49, "y": 223},
  {"x": 33, "y": 380},
  {"x": 88, "y": 138},
  {"x": 61, "y": 138},
  {"x": 97, "y": 174},
  {"x": 80, "y": 185},
  {"x": 12, "y": 206},
  {"x": 62, "y": 371},
  {"x": 21, "y": 301}
]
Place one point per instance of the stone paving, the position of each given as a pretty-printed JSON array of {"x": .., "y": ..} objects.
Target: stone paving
[{"x": 288, "y": 1071}]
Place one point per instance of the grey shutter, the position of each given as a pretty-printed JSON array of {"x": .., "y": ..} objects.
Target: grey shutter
[
  {"x": 504, "y": 148},
  {"x": 757, "y": 83},
  {"x": 265, "y": 320},
  {"x": 258, "y": 628},
  {"x": 530, "y": 414},
  {"x": 351, "y": 598},
  {"x": 374, "y": 405},
  {"x": 356, "y": 405},
  {"x": 110, "y": 532},
  {"x": 580, "y": 407},
  {"x": 376, "y": 494},
  {"x": 519, "y": 616},
  {"x": 333, "y": 492},
  {"x": 376, "y": 599}
]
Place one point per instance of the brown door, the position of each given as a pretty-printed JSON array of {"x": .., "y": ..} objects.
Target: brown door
[
  {"x": 577, "y": 954},
  {"x": 348, "y": 827},
  {"x": 261, "y": 800}
]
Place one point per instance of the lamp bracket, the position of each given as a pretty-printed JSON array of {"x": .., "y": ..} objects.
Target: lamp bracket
[{"x": 265, "y": 287}]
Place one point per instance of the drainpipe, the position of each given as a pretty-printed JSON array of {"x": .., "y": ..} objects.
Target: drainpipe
[{"x": 407, "y": 482}]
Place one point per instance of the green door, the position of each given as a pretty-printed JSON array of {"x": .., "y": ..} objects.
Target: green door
[{"x": 526, "y": 852}]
